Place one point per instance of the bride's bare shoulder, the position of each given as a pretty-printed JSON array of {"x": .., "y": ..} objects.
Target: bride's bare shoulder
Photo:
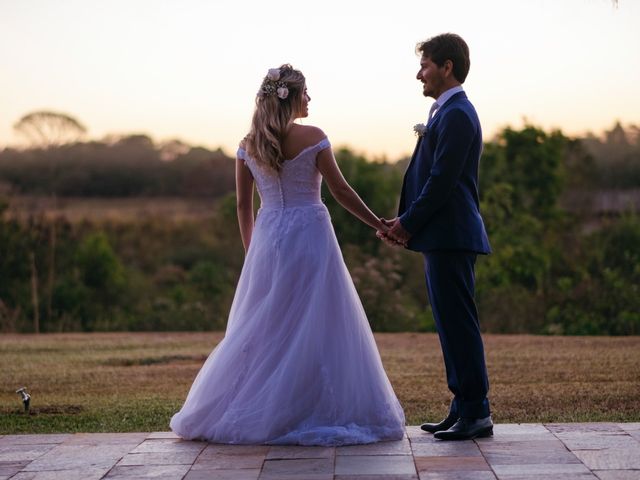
[{"x": 308, "y": 134}]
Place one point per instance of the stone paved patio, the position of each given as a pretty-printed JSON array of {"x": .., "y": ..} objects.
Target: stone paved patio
[{"x": 605, "y": 451}]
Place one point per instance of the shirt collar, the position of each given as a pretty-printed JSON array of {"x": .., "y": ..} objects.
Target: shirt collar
[{"x": 447, "y": 94}]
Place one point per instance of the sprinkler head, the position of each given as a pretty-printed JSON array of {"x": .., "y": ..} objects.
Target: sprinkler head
[{"x": 26, "y": 398}]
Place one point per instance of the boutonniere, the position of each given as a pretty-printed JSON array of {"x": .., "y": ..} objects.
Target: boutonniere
[{"x": 420, "y": 129}]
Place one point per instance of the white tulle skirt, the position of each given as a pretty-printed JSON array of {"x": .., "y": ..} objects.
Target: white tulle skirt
[{"x": 298, "y": 363}]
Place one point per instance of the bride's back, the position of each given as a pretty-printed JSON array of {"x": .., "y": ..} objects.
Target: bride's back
[{"x": 298, "y": 182}]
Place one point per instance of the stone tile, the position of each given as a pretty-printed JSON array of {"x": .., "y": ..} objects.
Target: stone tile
[
  {"x": 519, "y": 429},
  {"x": 530, "y": 452},
  {"x": 415, "y": 431},
  {"x": 375, "y": 465},
  {"x": 159, "y": 458},
  {"x": 599, "y": 440},
  {"x": 416, "y": 435},
  {"x": 466, "y": 448},
  {"x": 517, "y": 451},
  {"x": 84, "y": 473},
  {"x": 376, "y": 477},
  {"x": 618, "y": 474},
  {"x": 228, "y": 462},
  {"x": 169, "y": 445},
  {"x": 11, "y": 468},
  {"x": 635, "y": 435},
  {"x": 214, "y": 449},
  {"x": 155, "y": 435},
  {"x": 165, "y": 472},
  {"x": 426, "y": 438},
  {"x": 399, "y": 447},
  {"x": 610, "y": 459},
  {"x": 106, "y": 438},
  {"x": 40, "y": 439},
  {"x": 282, "y": 452},
  {"x": 73, "y": 457},
  {"x": 223, "y": 475},
  {"x": 628, "y": 427},
  {"x": 525, "y": 457},
  {"x": 450, "y": 464},
  {"x": 560, "y": 428},
  {"x": 563, "y": 476},
  {"x": 314, "y": 476},
  {"x": 530, "y": 446},
  {"x": 19, "y": 453},
  {"x": 313, "y": 468},
  {"x": 517, "y": 437},
  {"x": 551, "y": 470},
  {"x": 467, "y": 475}
]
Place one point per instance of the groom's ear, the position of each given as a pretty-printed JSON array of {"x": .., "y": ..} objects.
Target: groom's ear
[{"x": 448, "y": 68}]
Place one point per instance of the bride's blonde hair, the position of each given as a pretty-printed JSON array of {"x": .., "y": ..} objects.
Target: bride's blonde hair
[{"x": 277, "y": 104}]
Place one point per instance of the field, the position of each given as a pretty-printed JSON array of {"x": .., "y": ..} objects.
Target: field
[
  {"x": 122, "y": 382},
  {"x": 124, "y": 209}
]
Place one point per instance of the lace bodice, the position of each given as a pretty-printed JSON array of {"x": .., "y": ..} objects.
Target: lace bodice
[{"x": 296, "y": 185}]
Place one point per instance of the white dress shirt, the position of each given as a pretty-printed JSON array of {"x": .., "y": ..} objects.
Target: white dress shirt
[{"x": 442, "y": 99}]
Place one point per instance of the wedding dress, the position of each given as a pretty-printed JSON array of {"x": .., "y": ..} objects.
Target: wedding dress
[{"x": 298, "y": 363}]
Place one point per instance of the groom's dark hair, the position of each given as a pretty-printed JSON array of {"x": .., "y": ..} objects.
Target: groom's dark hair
[{"x": 447, "y": 46}]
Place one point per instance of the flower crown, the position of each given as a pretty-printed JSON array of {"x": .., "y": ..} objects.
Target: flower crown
[{"x": 272, "y": 85}]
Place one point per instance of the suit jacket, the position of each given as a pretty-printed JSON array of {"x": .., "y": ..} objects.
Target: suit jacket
[{"x": 439, "y": 203}]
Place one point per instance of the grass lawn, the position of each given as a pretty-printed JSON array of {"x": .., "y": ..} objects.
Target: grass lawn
[{"x": 120, "y": 382}]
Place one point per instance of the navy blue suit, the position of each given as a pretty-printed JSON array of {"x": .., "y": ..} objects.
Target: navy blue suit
[{"x": 439, "y": 207}]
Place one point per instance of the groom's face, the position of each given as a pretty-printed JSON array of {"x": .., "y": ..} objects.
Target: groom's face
[{"x": 432, "y": 77}]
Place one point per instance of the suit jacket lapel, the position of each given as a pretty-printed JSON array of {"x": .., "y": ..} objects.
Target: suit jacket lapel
[{"x": 448, "y": 102}]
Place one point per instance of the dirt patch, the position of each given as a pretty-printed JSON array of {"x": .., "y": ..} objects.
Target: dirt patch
[{"x": 164, "y": 359}]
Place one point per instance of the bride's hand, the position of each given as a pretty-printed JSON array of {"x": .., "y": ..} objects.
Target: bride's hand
[
  {"x": 383, "y": 226},
  {"x": 382, "y": 231},
  {"x": 387, "y": 223}
]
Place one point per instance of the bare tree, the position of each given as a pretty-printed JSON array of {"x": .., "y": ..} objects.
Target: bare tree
[{"x": 48, "y": 129}]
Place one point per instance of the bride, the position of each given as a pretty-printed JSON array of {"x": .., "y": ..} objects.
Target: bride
[{"x": 298, "y": 363}]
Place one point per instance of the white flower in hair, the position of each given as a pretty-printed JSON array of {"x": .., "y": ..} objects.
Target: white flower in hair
[
  {"x": 273, "y": 74},
  {"x": 283, "y": 92}
]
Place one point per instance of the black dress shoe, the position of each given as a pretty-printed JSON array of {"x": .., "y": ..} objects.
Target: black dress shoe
[
  {"x": 445, "y": 424},
  {"x": 467, "y": 428}
]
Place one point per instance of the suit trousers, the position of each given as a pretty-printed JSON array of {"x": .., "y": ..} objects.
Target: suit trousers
[{"x": 450, "y": 279}]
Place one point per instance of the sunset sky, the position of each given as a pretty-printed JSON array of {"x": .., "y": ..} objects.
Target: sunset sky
[{"x": 189, "y": 69}]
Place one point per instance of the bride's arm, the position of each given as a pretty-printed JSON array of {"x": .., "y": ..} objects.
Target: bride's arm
[
  {"x": 342, "y": 191},
  {"x": 244, "y": 206}
]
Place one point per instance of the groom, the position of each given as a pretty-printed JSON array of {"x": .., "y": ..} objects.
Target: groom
[{"x": 439, "y": 217}]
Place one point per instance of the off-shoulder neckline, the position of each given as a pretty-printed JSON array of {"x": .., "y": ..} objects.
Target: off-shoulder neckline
[{"x": 304, "y": 150}]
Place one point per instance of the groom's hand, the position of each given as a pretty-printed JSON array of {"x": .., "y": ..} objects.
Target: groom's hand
[
  {"x": 398, "y": 233},
  {"x": 384, "y": 234}
]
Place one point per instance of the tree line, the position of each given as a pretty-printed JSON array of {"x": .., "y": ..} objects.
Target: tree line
[
  {"x": 548, "y": 273},
  {"x": 121, "y": 167}
]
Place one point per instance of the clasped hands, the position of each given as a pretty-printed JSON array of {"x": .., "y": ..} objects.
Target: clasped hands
[{"x": 394, "y": 233}]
